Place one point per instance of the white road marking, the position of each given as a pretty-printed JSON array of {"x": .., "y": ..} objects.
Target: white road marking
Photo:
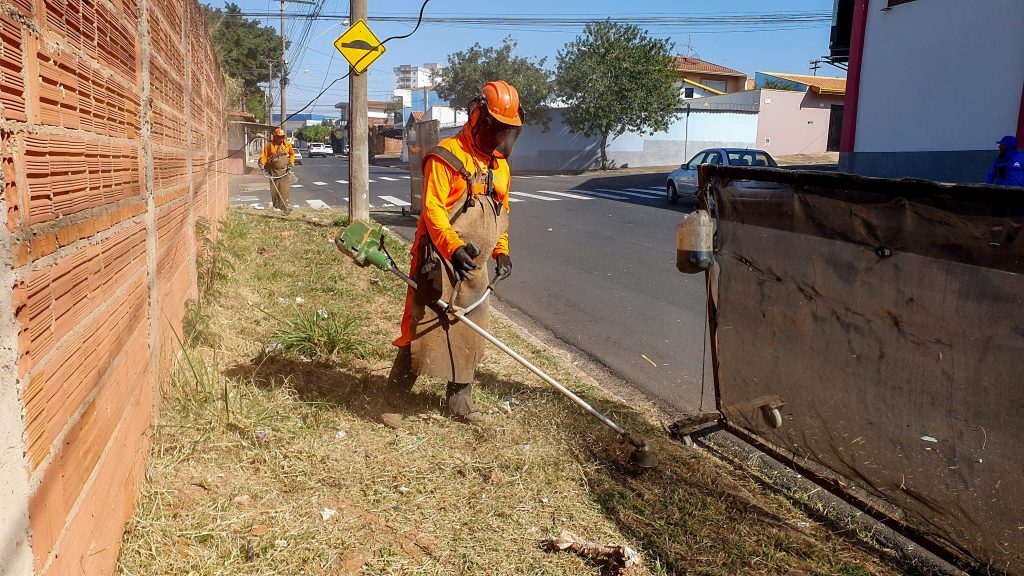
[
  {"x": 407, "y": 177},
  {"x": 565, "y": 194},
  {"x": 395, "y": 201},
  {"x": 522, "y": 176},
  {"x": 296, "y": 186},
  {"x": 317, "y": 204},
  {"x": 633, "y": 194},
  {"x": 657, "y": 188},
  {"x": 247, "y": 198},
  {"x": 320, "y": 183},
  {"x": 600, "y": 195},
  {"x": 388, "y": 179},
  {"x": 514, "y": 200},
  {"x": 647, "y": 192},
  {"x": 534, "y": 196},
  {"x": 342, "y": 181}
]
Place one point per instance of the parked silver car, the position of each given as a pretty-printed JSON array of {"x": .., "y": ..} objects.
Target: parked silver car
[{"x": 683, "y": 181}]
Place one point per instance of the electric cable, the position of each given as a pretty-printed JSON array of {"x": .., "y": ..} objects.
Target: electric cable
[{"x": 423, "y": 7}]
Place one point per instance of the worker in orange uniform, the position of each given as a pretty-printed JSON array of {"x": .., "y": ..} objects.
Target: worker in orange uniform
[
  {"x": 463, "y": 222},
  {"x": 278, "y": 156}
]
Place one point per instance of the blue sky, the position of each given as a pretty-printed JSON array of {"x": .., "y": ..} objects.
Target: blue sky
[{"x": 750, "y": 50}]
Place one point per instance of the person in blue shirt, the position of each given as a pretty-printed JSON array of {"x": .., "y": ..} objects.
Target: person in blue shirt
[{"x": 1008, "y": 168}]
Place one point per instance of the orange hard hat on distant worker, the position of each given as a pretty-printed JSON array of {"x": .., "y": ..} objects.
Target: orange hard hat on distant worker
[
  {"x": 278, "y": 133},
  {"x": 502, "y": 102}
]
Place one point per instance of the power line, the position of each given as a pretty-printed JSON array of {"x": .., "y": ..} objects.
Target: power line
[{"x": 713, "y": 22}]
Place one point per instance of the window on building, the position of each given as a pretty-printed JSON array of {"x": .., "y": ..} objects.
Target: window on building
[{"x": 687, "y": 92}]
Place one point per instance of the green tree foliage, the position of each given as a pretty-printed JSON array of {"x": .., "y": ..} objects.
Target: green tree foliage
[
  {"x": 394, "y": 109},
  {"x": 244, "y": 48},
  {"x": 616, "y": 78},
  {"x": 256, "y": 104},
  {"x": 319, "y": 133},
  {"x": 469, "y": 70},
  {"x": 773, "y": 84}
]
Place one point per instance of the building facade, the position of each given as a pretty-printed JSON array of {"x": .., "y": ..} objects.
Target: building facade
[
  {"x": 699, "y": 79},
  {"x": 409, "y": 77},
  {"x": 933, "y": 84}
]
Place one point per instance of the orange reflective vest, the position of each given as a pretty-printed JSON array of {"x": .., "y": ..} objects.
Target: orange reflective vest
[
  {"x": 443, "y": 187},
  {"x": 270, "y": 150}
]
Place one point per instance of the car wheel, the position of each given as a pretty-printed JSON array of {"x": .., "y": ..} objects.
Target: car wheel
[{"x": 671, "y": 193}]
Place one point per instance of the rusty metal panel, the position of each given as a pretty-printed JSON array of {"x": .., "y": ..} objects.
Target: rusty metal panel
[
  {"x": 887, "y": 316},
  {"x": 421, "y": 138}
]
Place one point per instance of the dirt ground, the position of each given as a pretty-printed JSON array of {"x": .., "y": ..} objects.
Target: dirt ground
[{"x": 269, "y": 457}]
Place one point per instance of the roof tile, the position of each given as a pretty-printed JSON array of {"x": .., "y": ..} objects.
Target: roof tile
[
  {"x": 689, "y": 64},
  {"x": 819, "y": 84}
]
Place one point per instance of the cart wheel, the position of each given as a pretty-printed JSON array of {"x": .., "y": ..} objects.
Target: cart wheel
[
  {"x": 772, "y": 417},
  {"x": 688, "y": 441}
]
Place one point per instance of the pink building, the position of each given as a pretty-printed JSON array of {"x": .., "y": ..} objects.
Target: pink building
[
  {"x": 796, "y": 114},
  {"x": 799, "y": 114}
]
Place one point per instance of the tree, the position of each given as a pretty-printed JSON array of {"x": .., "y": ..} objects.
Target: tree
[
  {"x": 616, "y": 78},
  {"x": 319, "y": 133},
  {"x": 468, "y": 71},
  {"x": 773, "y": 84},
  {"x": 244, "y": 47},
  {"x": 394, "y": 109}
]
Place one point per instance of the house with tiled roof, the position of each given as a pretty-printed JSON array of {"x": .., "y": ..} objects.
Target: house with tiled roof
[
  {"x": 825, "y": 85},
  {"x": 699, "y": 78},
  {"x": 785, "y": 114}
]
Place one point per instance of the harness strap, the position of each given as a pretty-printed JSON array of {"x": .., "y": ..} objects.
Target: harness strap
[{"x": 446, "y": 156}]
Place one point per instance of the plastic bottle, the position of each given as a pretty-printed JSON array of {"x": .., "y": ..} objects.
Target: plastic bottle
[{"x": 695, "y": 242}]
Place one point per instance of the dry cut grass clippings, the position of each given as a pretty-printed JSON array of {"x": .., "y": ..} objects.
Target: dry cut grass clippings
[{"x": 269, "y": 458}]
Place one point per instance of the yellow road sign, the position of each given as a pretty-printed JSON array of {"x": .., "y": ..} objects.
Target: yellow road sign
[{"x": 359, "y": 46}]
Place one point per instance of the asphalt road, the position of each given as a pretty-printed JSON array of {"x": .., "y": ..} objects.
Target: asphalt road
[{"x": 594, "y": 263}]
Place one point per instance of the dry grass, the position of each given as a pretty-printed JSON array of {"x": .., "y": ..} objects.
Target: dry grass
[{"x": 251, "y": 446}]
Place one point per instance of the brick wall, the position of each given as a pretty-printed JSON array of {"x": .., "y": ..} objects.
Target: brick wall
[{"x": 111, "y": 131}]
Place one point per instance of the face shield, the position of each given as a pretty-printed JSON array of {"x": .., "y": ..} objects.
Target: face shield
[{"x": 492, "y": 136}]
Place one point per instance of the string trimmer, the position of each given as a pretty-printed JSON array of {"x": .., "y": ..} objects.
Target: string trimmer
[{"x": 364, "y": 243}]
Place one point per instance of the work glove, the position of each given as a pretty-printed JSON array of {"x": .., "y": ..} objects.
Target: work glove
[
  {"x": 462, "y": 260},
  {"x": 503, "y": 267}
]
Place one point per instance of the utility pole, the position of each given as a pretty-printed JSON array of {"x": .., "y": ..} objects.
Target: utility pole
[
  {"x": 815, "y": 64},
  {"x": 269, "y": 101},
  {"x": 359, "y": 153}
]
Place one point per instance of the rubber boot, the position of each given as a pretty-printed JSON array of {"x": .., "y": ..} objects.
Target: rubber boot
[
  {"x": 401, "y": 379},
  {"x": 460, "y": 403}
]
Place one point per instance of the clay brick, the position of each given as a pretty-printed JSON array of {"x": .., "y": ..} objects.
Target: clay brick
[
  {"x": 66, "y": 175},
  {"x": 12, "y": 82},
  {"x": 12, "y": 200},
  {"x": 43, "y": 245},
  {"x": 21, "y": 251},
  {"x": 67, "y": 235}
]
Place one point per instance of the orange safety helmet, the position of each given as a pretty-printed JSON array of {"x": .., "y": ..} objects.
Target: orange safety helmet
[
  {"x": 278, "y": 133},
  {"x": 502, "y": 101}
]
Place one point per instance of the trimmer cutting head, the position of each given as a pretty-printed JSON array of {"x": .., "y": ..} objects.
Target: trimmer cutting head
[
  {"x": 364, "y": 244},
  {"x": 644, "y": 457}
]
